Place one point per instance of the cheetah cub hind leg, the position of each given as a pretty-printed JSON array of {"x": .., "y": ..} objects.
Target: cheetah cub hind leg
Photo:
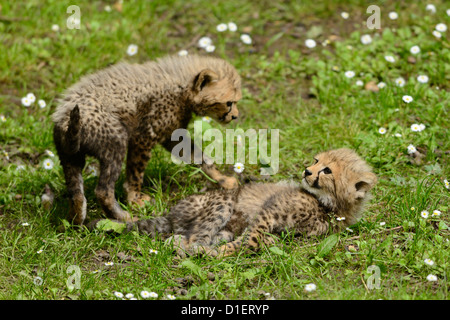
[{"x": 182, "y": 247}]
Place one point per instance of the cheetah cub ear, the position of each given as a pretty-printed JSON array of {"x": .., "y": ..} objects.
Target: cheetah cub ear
[
  {"x": 203, "y": 79},
  {"x": 364, "y": 184}
]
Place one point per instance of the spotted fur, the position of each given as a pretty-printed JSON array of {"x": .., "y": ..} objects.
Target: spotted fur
[
  {"x": 336, "y": 186},
  {"x": 125, "y": 110}
]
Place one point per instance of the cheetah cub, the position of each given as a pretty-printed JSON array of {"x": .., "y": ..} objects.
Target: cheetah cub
[
  {"x": 337, "y": 185},
  {"x": 127, "y": 109}
]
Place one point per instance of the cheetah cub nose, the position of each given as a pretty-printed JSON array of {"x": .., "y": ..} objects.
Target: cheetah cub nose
[{"x": 307, "y": 173}]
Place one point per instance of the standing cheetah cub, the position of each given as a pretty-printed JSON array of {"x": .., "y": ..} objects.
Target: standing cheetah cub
[
  {"x": 336, "y": 186},
  {"x": 126, "y": 109}
]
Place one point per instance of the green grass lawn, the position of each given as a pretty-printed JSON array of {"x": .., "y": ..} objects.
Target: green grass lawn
[{"x": 305, "y": 92}]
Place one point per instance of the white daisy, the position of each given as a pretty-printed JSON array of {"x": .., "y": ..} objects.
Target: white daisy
[
  {"x": 446, "y": 184},
  {"x": 153, "y": 251},
  {"x": 429, "y": 262},
  {"x": 129, "y": 295},
  {"x": 393, "y": 15},
  {"x": 55, "y": 28},
  {"x": 414, "y": 49},
  {"x": 411, "y": 149},
  {"x": 107, "y": 8},
  {"x": 366, "y": 39},
  {"x": 48, "y": 164},
  {"x": 221, "y": 27},
  {"x": 437, "y": 34},
  {"x": 389, "y": 58},
  {"x": 118, "y": 294},
  {"x": 183, "y": 52},
  {"x": 381, "y": 85},
  {"x": 436, "y": 213},
  {"x": 153, "y": 295},
  {"x": 448, "y": 12},
  {"x": 39, "y": 251},
  {"x": 109, "y": 264},
  {"x": 232, "y": 26},
  {"x": 345, "y": 15},
  {"x": 400, "y": 82},
  {"x": 210, "y": 48},
  {"x": 25, "y": 224},
  {"x": 415, "y": 127},
  {"x": 340, "y": 218},
  {"x": 382, "y": 130},
  {"x": 42, "y": 103},
  {"x": 422, "y": 78},
  {"x": 2, "y": 118},
  {"x": 349, "y": 74},
  {"x": 424, "y": 214},
  {"x": 310, "y": 287},
  {"x": 171, "y": 297},
  {"x": 431, "y": 277},
  {"x": 431, "y": 7},
  {"x": 238, "y": 167},
  {"x": 207, "y": 119},
  {"x": 49, "y": 153},
  {"x": 203, "y": 42},
  {"x": 441, "y": 27},
  {"x": 145, "y": 294},
  {"x": 421, "y": 127},
  {"x": 407, "y": 99},
  {"x": 26, "y": 102},
  {"x": 382, "y": 223},
  {"x": 132, "y": 49},
  {"x": 310, "y": 43},
  {"x": 348, "y": 229},
  {"x": 359, "y": 83},
  {"x": 245, "y": 38},
  {"x": 398, "y": 135}
]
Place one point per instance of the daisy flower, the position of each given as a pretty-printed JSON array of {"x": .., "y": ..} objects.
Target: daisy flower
[
  {"x": 210, "y": 48},
  {"x": 310, "y": 43},
  {"x": 400, "y": 82},
  {"x": 422, "y": 78},
  {"x": 310, "y": 287},
  {"x": 2, "y": 118},
  {"x": 203, "y": 42},
  {"x": 348, "y": 229},
  {"x": 129, "y": 295},
  {"x": 95, "y": 271},
  {"x": 421, "y": 127},
  {"x": 437, "y": 34},
  {"x": 42, "y": 103},
  {"x": 39, "y": 251},
  {"x": 132, "y": 49},
  {"x": 345, "y": 15},
  {"x": 431, "y": 7},
  {"x": 415, "y": 127},
  {"x": 182, "y": 53},
  {"x": 335, "y": 68},
  {"x": 25, "y": 224},
  {"x": 221, "y": 27},
  {"x": 48, "y": 164},
  {"x": 152, "y": 295},
  {"x": 366, "y": 39},
  {"x": 424, "y": 214},
  {"x": 49, "y": 153},
  {"x": 109, "y": 263},
  {"x": 118, "y": 294},
  {"x": 448, "y": 12},
  {"x": 206, "y": 119},
  {"x": 107, "y": 8},
  {"x": 382, "y": 223},
  {"x": 407, "y": 99},
  {"x": 171, "y": 297},
  {"x": 412, "y": 208},
  {"x": 436, "y": 213},
  {"x": 232, "y": 26},
  {"x": 447, "y": 184},
  {"x": 389, "y": 58},
  {"x": 398, "y": 135},
  {"x": 429, "y": 262},
  {"x": 340, "y": 218},
  {"x": 145, "y": 294},
  {"x": 382, "y": 130},
  {"x": 349, "y": 74},
  {"x": 411, "y": 149},
  {"x": 238, "y": 167},
  {"x": 245, "y": 38},
  {"x": 359, "y": 83},
  {"x": 55, "y": 28},
  {"x": 153, "y": 251},
  {"x": 414, "y": 49},
  {"x": 441, "y": 27},
  {"x": 431, "y": 277},
  {"x": 393, "y": 15},
  {"x": 26, "y": 102},
  {"x": 381, "y": 85}
]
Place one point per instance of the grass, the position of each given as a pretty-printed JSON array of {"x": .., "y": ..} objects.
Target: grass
[{"x": 287, "y": 86}]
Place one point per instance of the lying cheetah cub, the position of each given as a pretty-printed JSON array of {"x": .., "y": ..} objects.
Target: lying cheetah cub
[
  {"x": 337, "y": 185},
  {"x": 127, "y": 109}
]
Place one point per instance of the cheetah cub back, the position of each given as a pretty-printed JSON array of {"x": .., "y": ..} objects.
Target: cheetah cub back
[{"x": 330, "y": 197}]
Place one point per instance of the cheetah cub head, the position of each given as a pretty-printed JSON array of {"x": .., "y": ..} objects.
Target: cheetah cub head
[
  {"x": 216, "y": 96},
  {"x": 341, "y": 181}
]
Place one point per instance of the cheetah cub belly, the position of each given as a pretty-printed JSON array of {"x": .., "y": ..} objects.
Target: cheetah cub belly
[
  {"x": 336, "y": 186},
  {"x": 125, "y": 110}
]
